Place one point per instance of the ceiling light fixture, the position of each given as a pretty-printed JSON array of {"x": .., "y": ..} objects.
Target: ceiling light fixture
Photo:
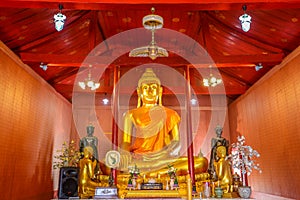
[
  {"x": 245, "y": 20},
  {"x": 44, "y": 66},
  {"x": 211, "y": 81},
  {"x": 89, "y": 82},
  {"x": 105, "y": 100},
  {"x": 59, "y": 19},
  {"x": 258, "y": 67},
  {"x": 151, "y": 22},
  {"x": 193, "y": 101}
]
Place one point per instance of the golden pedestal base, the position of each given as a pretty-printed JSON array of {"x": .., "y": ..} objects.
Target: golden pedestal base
[
  {"x": 151, "y": 194},
  {"x": 181, "y": 192}
]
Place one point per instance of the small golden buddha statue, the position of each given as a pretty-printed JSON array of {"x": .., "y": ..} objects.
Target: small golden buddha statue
[
  {"x": 215, "y": 142},
  {"x": 87, "y": 178},
  {"x": 223, "y": 170},
  {"x": 151, "y": 131},
  {"x": 90, "y": 140}
]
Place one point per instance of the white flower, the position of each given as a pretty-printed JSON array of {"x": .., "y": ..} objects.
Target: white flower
[{"x": 242, "y": 157}]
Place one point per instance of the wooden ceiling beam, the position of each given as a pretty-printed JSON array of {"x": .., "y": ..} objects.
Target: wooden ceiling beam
[
  {"x": 221, "y": 61},
  {"x": 234, "y": 90}
]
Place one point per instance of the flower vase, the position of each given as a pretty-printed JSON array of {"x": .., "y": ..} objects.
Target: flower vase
[
  {"x": 167, "y": 186},
  {"x": 206, "y": 189},
  {"x": 219, "y": 192},
  {"x": 172, "y": 183},
  {"x": 244, "y": 191},
  {"x": 129, "y": 185},
  {"x": 134, "y": 183},
  {"x": 176, "y": 183}
]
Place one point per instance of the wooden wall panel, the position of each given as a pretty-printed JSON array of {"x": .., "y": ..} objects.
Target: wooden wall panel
[
  {"x": 268, "y": 116},
  {"x": 33, "y": 118}
]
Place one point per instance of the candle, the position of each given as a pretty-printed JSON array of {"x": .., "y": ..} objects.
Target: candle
[{"x": 158, "y": 178}]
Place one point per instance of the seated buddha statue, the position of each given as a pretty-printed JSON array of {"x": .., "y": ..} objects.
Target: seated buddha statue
[
  {"x": 92, "y": 141},
  {"x": 215, "y": 142},
  {"x": 223, "y": 170},
  {"x": 151, "y": 137},
  {"x": 87, "y": 178}
]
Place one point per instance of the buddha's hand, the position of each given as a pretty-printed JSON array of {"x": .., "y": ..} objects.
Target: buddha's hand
[{"x": 173, "y": 149}]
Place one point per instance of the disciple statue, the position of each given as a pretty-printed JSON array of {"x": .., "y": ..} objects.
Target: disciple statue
[
  {"x": 90, "y": 140},
  {"x": 215, "y": 142},
  {"x": 87, "y": 178},
  {"x": 151, "y": 131},
  {"x": 223, "y": 170}
]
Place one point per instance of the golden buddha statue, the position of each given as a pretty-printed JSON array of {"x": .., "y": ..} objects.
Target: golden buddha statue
[
  {"x": 151, "y": 132},
  {"x": 223, "y": 170},
  {"x": 215, "y": 142},
  {"x": 151, "y": 143},
  {"x": 87, "y": 177}
]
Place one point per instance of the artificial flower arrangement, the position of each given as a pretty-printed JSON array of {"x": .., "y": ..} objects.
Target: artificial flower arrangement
[
  {"x": 172, "y": 173},
  {"x": 68, "y": 156},
  {"x": 134, "y": 172},
  {"x": 243, "y": 158}
]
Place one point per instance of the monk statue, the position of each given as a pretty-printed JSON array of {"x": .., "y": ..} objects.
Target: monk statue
[
  {"x": 151, "y": 131},
  {"x": 215, "y": 142},
  {"x": 87, "y": 178},
  {"x": 223, "y": 170},
  {"x": 90, "y": 140}
]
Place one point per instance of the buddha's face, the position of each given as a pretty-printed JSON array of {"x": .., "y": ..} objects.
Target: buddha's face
[
  {"x": 221, "y": 152},
  {"x": 90, "y": 130},
  {"x": 149, "y": 93}
]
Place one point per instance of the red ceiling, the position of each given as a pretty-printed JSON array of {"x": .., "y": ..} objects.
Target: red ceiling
[{"x": 27, "y": 28}]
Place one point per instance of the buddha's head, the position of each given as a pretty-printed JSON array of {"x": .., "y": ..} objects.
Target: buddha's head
[
  {"x": 149, "y": 89},
  {"x": 90, "y": 129},
  {"x": 219, "y": 130},
  {"x": 221, "y": 151}
]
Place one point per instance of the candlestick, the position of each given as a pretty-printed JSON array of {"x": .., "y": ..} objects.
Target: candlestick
[{"x": 189, "y": 187}]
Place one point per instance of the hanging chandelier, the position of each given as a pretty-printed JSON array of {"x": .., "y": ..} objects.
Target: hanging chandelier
[
  {"x": 245, "y": 20},
  {"x": 151, "y": 22},
  {"x": 89, "y": 82},
  {"x": 211, "y": 81},
  {"x": 59, "y": 19}
]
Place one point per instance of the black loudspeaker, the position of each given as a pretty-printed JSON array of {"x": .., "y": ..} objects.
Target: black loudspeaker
[{"x": 68, "y": 182}]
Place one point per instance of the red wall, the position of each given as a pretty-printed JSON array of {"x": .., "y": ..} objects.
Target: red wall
[
  {"x": 268, "y": 116},
  {"x": 34, "y": 120}
]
